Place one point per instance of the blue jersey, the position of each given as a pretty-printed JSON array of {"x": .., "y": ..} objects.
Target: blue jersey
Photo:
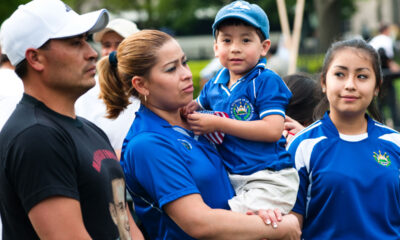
[
  {"x": 349, "y": 185},
  {"x": 163, "y": 163},
  {"x": 258, "y": 94}
]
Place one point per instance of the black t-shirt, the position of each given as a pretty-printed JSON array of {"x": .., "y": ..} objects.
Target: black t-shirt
[{"x": 45, "y": 154}]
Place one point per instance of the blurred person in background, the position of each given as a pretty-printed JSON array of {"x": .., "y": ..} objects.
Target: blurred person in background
[
  {"x": 11, "y": 87},
  {"x": 90, "y": 106},
  {"x": 384, "y": 44}
]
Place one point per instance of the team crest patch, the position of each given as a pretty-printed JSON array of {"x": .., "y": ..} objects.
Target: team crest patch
[
  {"x": 186, "y": 144},
  {"x": 241, "y": 109},
  {"x": 383, "y": 160}
]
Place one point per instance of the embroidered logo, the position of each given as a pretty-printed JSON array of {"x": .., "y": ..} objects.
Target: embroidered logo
[
  {"x": 383, "y": 160},
  {"x": 186, "y": 144},
  {"x": 240, "y": 5},
  {"x": 241, "y": 109}
]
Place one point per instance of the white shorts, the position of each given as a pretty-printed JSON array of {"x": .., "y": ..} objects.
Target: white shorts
[{"x": 265, "y": 189}]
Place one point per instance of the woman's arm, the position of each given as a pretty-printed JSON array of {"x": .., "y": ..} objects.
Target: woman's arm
[
  {"x": 136, "y": 234},
  {"x": 202, "y": 222},
  {"x": 299, "y": 217}
]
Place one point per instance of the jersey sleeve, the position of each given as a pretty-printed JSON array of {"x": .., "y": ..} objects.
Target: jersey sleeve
[
  {"x": 159, "y": 168},
  {"x": 42, "y": 165},
  {"x": 271, "y": 93},
  {"x": 297, "y": 155}
]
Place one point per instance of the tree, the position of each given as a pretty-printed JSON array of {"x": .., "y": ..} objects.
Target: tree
[
  {"x": 8, "y": 7},
  {"x": 332, "y": 17}
]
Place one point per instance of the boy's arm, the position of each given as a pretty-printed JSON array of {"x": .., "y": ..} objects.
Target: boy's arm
[{"x": 269, "y": 129}]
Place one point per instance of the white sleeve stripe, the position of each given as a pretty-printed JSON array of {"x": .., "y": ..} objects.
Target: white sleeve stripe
[
  {"x": 254, "y": 88},
  {"x": 272, "y": 111},
  {"x": 304, "y": 151},
  {"x": 392, "y": 137},
  {"x": 309, "y": 193},
  {"x": 384, "y": 126},
  {"x": 314, "y": 125}
]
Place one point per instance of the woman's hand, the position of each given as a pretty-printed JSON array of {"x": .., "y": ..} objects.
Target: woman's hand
[
  {"x": 268, "y": 216},
  {"x": 291, "y": 128}
]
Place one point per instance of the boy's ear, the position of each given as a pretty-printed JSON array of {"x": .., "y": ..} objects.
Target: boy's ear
[
  {"x": 266, "y": 44},
  {"x": 215, "y": 49},
  {"x": 140, "y": 84}
]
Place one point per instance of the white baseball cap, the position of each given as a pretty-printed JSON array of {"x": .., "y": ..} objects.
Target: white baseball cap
[
  {"x": 119, "y": 25},
  {"x": 34, "y": 23}
]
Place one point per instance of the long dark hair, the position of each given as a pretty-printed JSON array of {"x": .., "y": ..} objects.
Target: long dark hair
[{"x": 306, "y": 94}]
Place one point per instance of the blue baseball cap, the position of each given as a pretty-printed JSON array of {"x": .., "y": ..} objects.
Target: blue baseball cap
[{"x": 249, "y": 13}]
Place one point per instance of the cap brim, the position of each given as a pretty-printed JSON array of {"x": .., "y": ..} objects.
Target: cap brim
[
  {"x": 99, "y": 35},
  {"x": 86, "y": 23}
]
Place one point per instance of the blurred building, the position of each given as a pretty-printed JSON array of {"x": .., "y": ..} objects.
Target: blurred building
[{"x": 372, "y": 12}]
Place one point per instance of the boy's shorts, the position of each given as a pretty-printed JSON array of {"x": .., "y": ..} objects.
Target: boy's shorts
[{"x": 265, "y": 189}]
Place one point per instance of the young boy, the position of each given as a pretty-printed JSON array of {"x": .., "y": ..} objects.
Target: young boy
[{"x": 255, "y": 99}]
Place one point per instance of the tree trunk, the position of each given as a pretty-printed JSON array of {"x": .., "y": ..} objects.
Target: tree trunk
[{"x": 329, "y": 22}]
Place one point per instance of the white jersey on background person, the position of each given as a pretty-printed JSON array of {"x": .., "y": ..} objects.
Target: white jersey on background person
[
  {"x": 91, "y": 107},
  {"x": 11, "y": 90}
]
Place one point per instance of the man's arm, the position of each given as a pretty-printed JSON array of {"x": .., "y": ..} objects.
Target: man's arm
[
  {"x": 269, "y": 129},
  {"x": 58, "y": 218}
]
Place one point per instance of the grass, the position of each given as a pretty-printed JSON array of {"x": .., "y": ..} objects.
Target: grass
[{"x": 196, "y": 66}]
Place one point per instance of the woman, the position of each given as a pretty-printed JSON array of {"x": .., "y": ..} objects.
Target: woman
[
  {"x": 179, "y": 185},
  {"x": 348, "y": 163}
]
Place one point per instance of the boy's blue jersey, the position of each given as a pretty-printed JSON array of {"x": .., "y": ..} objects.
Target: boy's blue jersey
[
  {"x": 258, "y": 94},
  {"x": 349, "y": 185},
  {"x": 163, "y": 163}
]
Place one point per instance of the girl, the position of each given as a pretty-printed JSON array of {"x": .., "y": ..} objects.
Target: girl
[
  {"x": 347, "y": 162},
  {"x": 177, "y": 180}
]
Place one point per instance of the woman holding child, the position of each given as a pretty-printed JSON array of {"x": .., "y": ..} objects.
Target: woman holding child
[{"x": 177, "y": 180}]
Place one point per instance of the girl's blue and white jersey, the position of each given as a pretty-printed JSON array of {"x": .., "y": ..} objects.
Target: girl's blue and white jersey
[{"x": 349, "y": 185}]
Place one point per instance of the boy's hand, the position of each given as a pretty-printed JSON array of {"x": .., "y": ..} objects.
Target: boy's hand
[
  {"x": 202, "y": 123},
  {"x": 190, "y": 108}
]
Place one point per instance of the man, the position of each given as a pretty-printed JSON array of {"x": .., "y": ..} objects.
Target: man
[
  {"x": 54, "y": 166},
  {"x": 90, "y": 106}
]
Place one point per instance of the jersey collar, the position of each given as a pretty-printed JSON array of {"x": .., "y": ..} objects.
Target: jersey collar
[
  {"x": 332, "y": 128},
  {"x": 223, "y": 76}
]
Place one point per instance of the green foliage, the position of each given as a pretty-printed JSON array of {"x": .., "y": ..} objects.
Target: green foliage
[
  {"x": 8, "y": 7},
  {"x": 310, "y": 63},
  {"x": 196, "y": 67}
]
